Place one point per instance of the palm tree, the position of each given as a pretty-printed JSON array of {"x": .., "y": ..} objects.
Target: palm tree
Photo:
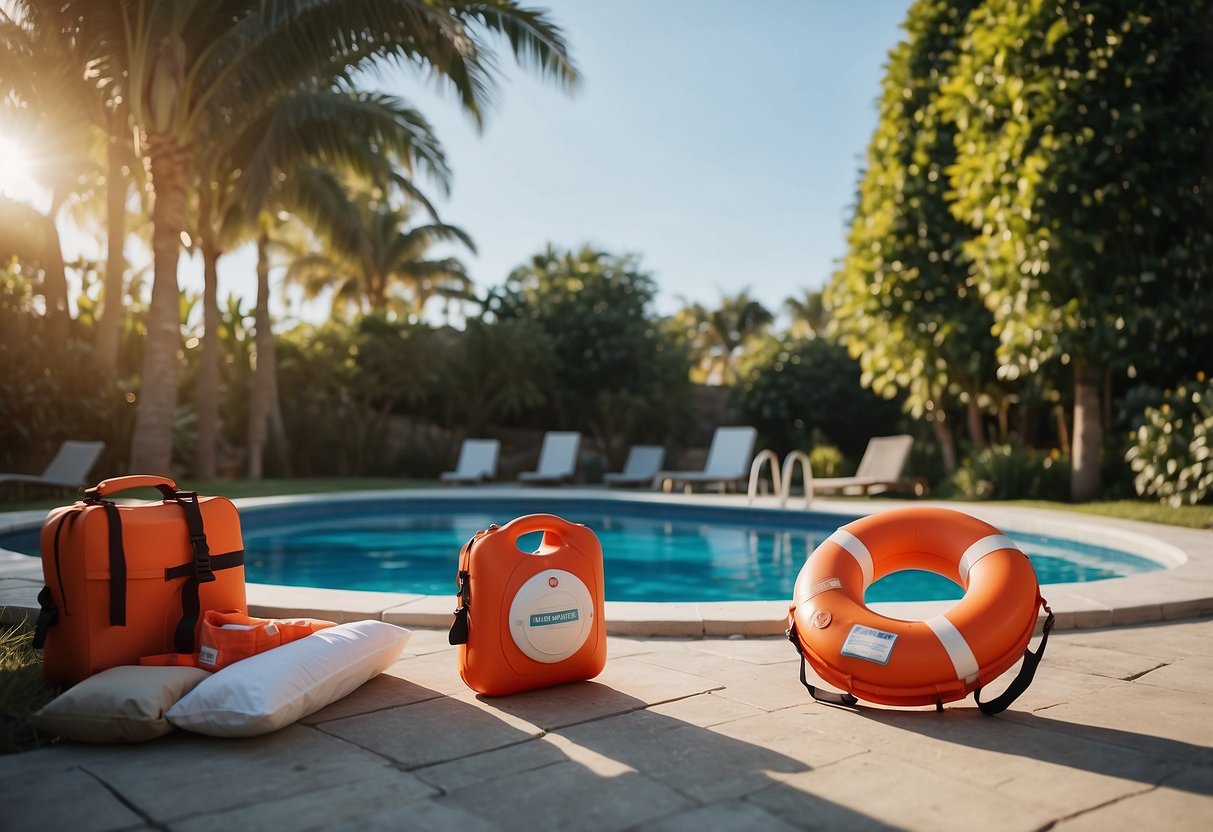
[
  {"x": 809, "y": 315},
  {"x": 716, "y": 335},
  {"x": 254, "y": 170},
  {"x": 181, "y": 60},
  {"x": 385, "y": 270}
]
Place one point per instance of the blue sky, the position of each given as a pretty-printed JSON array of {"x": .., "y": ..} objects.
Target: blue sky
[{"x": 719, "y": 139}]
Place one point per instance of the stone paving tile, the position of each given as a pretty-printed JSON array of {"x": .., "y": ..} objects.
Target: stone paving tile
[
  {"x": 723, "y": 763},
  {"x": 387, "y": 690},
  {"x": 706, "y": 710},
  {"x": 1186, "y": 638},
  {"x": 1194, "y": 675},
  {"x": 568, "y": 795},
  {"x": 729, "y": 816},
  {"x": 1098, "y": 661},
  {"x": 750, "y": 650},
  {"x": 429, "y": 815},
  {"x": 1032, "y": 762},
  {"x": 1165, "y": 723},
  {"x": 438, "y": 671},
  {"x": 342, "y": 806},
  {"x": 570, "y": 704},
  {"x": 186, "y": 775},
  {"x": 1184, "y": 802},
  {"x": 769, "y": 687},
  {"x": 424, "y": 642},
  {"x": 492, "y": 765},
  {"x": 36, "y": 802},
  {"x": 432, "y": 731},
  {"x": 1052, "y": 686},
  {"x": 893, "y": 793}
]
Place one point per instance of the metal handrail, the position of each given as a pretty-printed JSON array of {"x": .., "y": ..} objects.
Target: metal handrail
[
  {"x": 806, "y": 471},
  {"x": 756, "y": 473}
]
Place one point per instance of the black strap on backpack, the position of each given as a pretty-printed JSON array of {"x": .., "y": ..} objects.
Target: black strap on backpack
[
  {"x": 48, "y": 610},
  {"x": 200, "y": 570}
]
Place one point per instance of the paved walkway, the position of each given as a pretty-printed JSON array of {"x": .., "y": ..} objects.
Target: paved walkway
[{"x": 713, "y": 734}]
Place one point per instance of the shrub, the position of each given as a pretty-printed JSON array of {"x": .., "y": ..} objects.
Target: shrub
[
  {"x": 826, "y": 461},
  {"x": 1172, "y": 451},
  {"x": 1013, "y": 472}
]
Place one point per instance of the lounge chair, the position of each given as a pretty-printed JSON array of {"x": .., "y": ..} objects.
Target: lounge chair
[
  {"x": 67, "y": 470},
  {"x": 880, "y": 470},
  {"x": 557, "y": 458},
  {"x": 477, "y": 462},
  {"x": 728, "y": 461},
  {"x": 643, "y": 462}
]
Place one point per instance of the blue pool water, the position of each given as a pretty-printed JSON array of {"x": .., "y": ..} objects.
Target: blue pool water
[{"x": 652, "y": 552}]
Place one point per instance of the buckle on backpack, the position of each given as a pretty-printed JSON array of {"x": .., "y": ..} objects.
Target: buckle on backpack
[{"x": 202, "y": 559}]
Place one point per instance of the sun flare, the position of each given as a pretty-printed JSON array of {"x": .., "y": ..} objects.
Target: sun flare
[{"x": 15, "y": 181}]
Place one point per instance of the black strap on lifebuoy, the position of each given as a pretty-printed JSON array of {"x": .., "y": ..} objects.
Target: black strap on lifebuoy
[
  {"x": 1027, "y": 672},
  {"x": 826, "y": 697}
]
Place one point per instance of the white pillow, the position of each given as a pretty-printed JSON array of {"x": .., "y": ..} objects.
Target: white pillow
[
  {"x": 273, "y": 689},
  {"x": 122, "y": 704}
]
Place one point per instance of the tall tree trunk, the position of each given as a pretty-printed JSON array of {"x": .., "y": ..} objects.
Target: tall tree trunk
[
  {"x": 152, "y": 444},
  {"x": 945, "y": 438},
  {"x": 261, "y": 398},
  {"x": 1088, "y": 433},
  {"x": 54, "y": 286},
  {"x": 206, "y": 394},
  {"x": 109, "y": 327},
  {"x": 977, "y": 431}
]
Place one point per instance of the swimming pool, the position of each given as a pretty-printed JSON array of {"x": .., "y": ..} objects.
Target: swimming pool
[{"x": 653, "y": 552}]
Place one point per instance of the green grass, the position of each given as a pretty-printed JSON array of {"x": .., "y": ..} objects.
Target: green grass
[
  {"x": 21, "y": 691},
  {"x": 1193, "y": 517},
  {"x": 236, "y": 489}
]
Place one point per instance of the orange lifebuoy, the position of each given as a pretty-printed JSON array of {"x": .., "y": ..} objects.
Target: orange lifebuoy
[{"x": 941, "y": 659}]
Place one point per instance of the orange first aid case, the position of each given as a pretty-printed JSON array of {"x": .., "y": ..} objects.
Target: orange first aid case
[
  {"x": 530, "y": 619},
  {"x": 125, "y": 581}
]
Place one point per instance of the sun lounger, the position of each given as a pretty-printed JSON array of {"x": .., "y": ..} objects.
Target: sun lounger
[
  {"x": 728, "y": 461},
  {"x": 67, "y": 470},
  {"x": 477, "y": 462},
  {"x": 880, "y": 470},
  {"x": 643, "y": 462},
  {"x": 557, "y": 458}
]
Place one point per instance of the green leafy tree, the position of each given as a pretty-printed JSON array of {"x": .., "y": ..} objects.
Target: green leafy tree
[
  {"x": 620, "y": 376},
  {"x": 903, "y": 302},
  {"x": 491, "y": 371},
  {"x": 1082, "y": 168},
  {"x": 801, "y": 391},
  {"x": 717, "y": 336}
]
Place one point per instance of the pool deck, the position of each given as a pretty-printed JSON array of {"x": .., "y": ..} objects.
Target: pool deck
[{"x": 691, "y": 733}]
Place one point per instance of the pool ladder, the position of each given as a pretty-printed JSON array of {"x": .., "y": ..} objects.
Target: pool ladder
[{"x": 781, "y": 476}]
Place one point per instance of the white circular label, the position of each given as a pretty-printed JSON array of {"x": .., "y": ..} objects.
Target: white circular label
[{"x": 551, "y": 616}]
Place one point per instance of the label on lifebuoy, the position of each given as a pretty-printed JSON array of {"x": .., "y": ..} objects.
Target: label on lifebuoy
[{"x": 869, "y": 644}]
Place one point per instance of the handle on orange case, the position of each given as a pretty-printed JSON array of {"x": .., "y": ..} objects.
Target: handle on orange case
[
  {"x": 546, "y": 523},
  {"x": 115, "y": 484}
]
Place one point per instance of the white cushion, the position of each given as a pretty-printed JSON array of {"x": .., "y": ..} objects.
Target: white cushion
[
  {"x": 122, "y": 704},
  {"x": 273, "y": 689}
]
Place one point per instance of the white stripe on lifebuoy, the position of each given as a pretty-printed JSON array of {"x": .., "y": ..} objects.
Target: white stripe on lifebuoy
[
  {"x": 954, "y": 643},
  {"x": 857, "y": 550},
  {"x": 981, "y": 548}
]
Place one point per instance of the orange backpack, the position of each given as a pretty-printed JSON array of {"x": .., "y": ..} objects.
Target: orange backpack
[
  {"x": 528, "y": 620},
  {"x": 130, "y": 580}
]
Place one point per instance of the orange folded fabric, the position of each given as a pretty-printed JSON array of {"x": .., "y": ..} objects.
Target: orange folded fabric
[{"x": 227, "y": 636}]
